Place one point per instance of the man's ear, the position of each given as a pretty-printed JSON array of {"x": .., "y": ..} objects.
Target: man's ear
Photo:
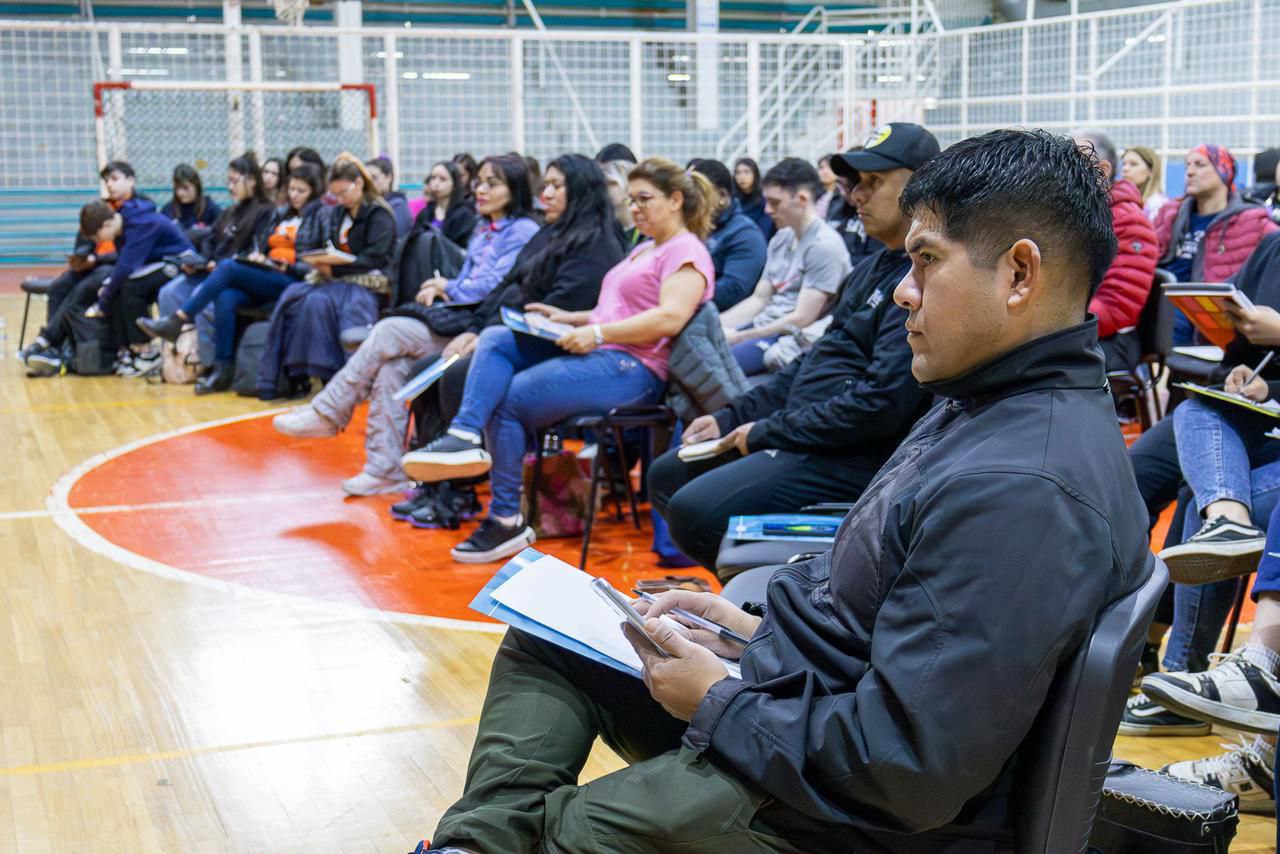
[{"x": 1023, "y": 267}]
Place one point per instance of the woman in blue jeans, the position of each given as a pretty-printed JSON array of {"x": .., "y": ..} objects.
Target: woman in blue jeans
[
  {"x": 1233, "y": 470},
  {"x": 268, "y": 269},
  {"x": 617, "y": 354}
]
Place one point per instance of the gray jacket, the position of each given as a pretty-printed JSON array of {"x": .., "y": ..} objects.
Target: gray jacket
[
  {"x": 886, "y": 694},
  {"x": 704, "y": 374}
]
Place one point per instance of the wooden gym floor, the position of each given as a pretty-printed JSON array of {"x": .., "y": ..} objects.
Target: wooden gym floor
[{"x": 205, "y": 648}]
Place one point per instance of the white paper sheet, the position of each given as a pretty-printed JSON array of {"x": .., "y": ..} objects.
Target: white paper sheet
[{"x": 560, "y": 597}]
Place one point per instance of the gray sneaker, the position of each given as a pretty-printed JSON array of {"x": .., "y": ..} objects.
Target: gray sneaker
[
  {"x": 365, "y": 484},
  {"x": 304, "y": 423}
]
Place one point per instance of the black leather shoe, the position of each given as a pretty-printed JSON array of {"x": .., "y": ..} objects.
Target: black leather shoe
[
  {"x": 166, "y": 327},
  {"x": 219, "y": 379}
]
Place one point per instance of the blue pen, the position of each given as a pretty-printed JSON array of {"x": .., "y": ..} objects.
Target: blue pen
[{"x": 701, "y": 622}]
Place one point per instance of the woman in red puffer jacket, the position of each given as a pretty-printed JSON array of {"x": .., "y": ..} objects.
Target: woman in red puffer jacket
[{"x": 1124, "y": 289}]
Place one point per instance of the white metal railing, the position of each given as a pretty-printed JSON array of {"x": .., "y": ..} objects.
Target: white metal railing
[{"x": 1170, "y": 75}]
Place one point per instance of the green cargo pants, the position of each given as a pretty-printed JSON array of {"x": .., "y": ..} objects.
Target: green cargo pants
[{"x": 543, "y": 711}]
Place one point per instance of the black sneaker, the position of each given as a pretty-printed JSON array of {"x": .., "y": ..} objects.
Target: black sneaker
[
  {"x": 460, "y": 501},
  {"x": 494, "y": 541},
  {"x": 44, "y": 362},
  {"x": 421, "y": 497},
  {"x": 1221, "y": 549},
  {"x": 1142, "y": 717},
  {"x": 451, "y": 456}
]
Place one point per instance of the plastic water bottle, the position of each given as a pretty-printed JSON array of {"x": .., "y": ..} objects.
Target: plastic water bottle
[{"x": 4, "y": 341}]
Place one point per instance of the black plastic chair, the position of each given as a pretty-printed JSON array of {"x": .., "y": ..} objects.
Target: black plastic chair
[
  {"x": 1064, "y": 758},
  {"x": 613, "y": 424},
  {"x": 32, "y": 286},
  {"x": 1155, "y": 337}
]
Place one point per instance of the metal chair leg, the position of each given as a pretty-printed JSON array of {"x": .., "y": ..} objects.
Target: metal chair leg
[
  {"x": 626, "y": 475},
  {"x": 22, "y": 331},
  {"x": 602, "y": 453},
  {"x": 1242, "y": 587},
  {"x": 589, "y": 521}
]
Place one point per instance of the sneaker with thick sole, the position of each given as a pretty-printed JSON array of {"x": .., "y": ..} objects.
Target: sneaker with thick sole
[
  {"x": 1221, "y": 549},
  {"x": 365, "y": 484},
  {"x": 448, "y": 457},
  {"x": 1144, "y": 717},
  {"x": 1244, "y": 770},
  {"x": 494, "y": 541},
  {"x": 44, "y": 362},
  {"x": 1236, "y": 694},
  {"x": 304, "y": 423}
]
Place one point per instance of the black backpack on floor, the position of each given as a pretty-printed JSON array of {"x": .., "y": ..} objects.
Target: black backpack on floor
[
  {"x": 248, "y": 355},
  {"x": 95, "y": 351}
]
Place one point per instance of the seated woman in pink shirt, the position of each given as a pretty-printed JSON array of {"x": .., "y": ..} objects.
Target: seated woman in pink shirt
[{"x": 617, "y": 355}]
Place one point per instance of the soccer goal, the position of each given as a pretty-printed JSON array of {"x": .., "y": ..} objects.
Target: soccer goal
[{"x": 156, "y": 124}]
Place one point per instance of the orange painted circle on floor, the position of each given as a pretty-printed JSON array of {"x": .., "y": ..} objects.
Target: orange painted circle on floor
[{"x": 237, "y": 502}]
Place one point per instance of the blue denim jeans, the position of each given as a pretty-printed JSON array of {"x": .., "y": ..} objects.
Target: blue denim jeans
[
  {"x": 171, "y": 298},
  {"x": 231, "y": 285},
  {"x": 519, "y": 383},
  {"x": 1223, "y": 456}
]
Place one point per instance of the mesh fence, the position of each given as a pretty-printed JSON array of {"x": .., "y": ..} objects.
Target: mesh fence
[
  {"x": 1170, "y": 76},
  {"x": 152, "y": 129}
]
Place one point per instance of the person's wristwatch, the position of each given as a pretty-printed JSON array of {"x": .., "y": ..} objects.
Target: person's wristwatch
[{"x": 598, "y": 333}]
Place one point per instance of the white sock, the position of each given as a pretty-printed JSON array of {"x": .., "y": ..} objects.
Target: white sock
[
  {"x": 466, "y": 435},
  {"x": 506, "y": 520},
  {"x": 1264, "y": 658}
]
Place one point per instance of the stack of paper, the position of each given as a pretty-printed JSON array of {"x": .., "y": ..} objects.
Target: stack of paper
[{"x": 544, "y": 596}]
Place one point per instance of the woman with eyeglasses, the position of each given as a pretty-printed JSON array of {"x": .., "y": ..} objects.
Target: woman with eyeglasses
[
  {"x": 616, "y": 354},
  {"x": 304, "y": 337},
  {"x": 235, "y": 232},
  {"x": 381, "y": 365}
]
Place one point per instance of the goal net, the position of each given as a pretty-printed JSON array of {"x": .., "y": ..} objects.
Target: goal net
[{"x": 156, "y": 125}]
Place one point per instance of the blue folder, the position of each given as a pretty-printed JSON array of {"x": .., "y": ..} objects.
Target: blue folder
[
  {"x": 490, "y": 607},
  {"x": 753, "y": 527}
]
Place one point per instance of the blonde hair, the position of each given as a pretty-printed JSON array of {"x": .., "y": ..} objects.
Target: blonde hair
[
  {"x": 699, "y": 195},
  {"x": 1155, "y": 181}
]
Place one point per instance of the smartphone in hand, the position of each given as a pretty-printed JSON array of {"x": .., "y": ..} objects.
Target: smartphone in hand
[{"x": 622, "y": 605}]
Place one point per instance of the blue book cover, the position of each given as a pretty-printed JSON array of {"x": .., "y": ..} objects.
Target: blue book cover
[
  {"x": 797, "y": 527},
  {"x": 423, "y": 381},
  {"x": 534, "y": 324}
]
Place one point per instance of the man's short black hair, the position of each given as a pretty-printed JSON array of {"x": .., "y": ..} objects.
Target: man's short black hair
[
  {"x": 715, "y": 172},
  {"x": 615, "y": 151},
  {"x": 117, "y": 166},
  {"x": 990, "y": 191},
  {"x": 793, "y": 175}
]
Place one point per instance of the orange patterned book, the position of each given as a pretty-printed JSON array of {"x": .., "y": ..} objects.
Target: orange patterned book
[{"x": 1204, "y": 304}]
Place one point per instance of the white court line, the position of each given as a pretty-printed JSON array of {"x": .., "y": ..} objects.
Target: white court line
[
  {"x": 183, "y": 504},
  {"x": 68, "y": 519}
]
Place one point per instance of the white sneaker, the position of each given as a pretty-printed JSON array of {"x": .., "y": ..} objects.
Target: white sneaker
[
  {"x": 1244, "y": 770},
  {"x": 366, "y": 484},
  {"x": 1241, "y": 692},
  {"x": 304, "y": 423}
]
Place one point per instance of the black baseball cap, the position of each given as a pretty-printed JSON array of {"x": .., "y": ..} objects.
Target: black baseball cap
[{"x": 897, "y": 145}]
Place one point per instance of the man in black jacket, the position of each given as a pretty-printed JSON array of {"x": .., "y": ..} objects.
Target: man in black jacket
[
  {"x": 819, "y": 429},
  {"x": 886, "y": 692}
]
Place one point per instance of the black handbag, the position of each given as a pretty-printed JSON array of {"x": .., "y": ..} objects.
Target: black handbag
[{"x": 1150, "y": 812}]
